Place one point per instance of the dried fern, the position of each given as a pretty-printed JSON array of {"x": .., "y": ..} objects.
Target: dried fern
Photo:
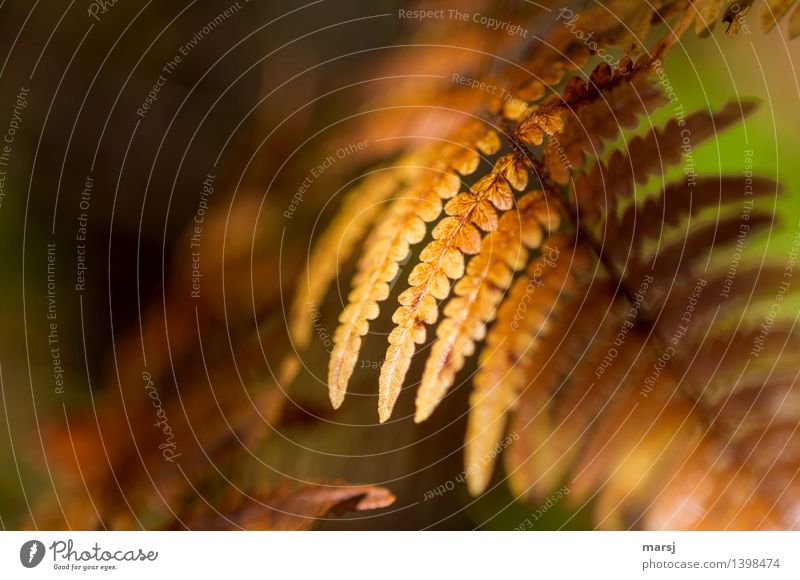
[
  {"x": 546, "y": 255},
  {"x": 389, "y": 244},
  {"x": 501, "y": 376},
  {"x": 339, "y": 240},
  {"x": 547, "y": 333},
  {"x": 488, "y": 275},
  {"x": 440, "y": 260},
  {"x": 454, "y": 236},
  {"x": 402, "y": 225}
]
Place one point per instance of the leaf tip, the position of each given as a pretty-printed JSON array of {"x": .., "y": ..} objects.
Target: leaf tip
[
  {"x": 425, "y": 408},
  {"x": 384, "y": 413},
  {"x": 336, "y": 395},
  {"x": 477, "y": 482}
]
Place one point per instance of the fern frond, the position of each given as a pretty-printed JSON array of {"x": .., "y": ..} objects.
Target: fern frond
[
  {"x": 583, "y": 416},
  {"x": 597, "y": 190},
  {"x": 478, "y": 293},
  {"x": 388, "y": 245},
  {"x": 523, "y": 323},
  {"x": 456, "y": 235},
  {"x": 550, "y": 416},
  {"x": 591, "y": 419},
  {"x": 335, "y": 246},
  {"x": 403, "y": 225},
  {"x": 678, "y": 201},
  {"x": 440, "y": 261}
]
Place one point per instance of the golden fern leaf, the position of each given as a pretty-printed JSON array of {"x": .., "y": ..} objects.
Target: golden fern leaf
[
  {"x": 360, "y": 206},
  {"x": 455, "y": 235},
  {"x": 569, "y": 403},
  {"x": 403, "y": 225},
  {"x": 441, "y": 260},
  {"x": 522, "y": 324},
  {"x": 477, "y": 294},
  {"x": 388, "y": 245}
]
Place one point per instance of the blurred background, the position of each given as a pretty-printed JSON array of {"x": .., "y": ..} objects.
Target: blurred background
[{"x": 152, "y": 239}]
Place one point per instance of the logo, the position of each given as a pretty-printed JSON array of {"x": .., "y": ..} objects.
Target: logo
[{"x": 31, "y": 553}]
